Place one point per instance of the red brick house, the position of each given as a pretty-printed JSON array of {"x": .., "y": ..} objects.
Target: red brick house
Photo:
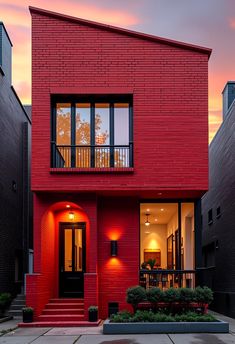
[{"x": 120, "y": 140}]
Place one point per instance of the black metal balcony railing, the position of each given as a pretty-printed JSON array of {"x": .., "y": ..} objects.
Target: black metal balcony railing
[
  {"x": 91, "y": 156},
  {"x": 167, "y": 278}
]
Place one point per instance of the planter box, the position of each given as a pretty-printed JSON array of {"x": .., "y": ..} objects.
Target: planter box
[{"x": 165, "y": 327}]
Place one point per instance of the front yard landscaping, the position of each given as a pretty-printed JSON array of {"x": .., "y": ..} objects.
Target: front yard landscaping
[{"x": 175, "y": 310}]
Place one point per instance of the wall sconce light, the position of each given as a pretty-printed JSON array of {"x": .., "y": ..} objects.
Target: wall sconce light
[
  {"x": 71, "y": 215},
  {"x": 114, "y": 248}
]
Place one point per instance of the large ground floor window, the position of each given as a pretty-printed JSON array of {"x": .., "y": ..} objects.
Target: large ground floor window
[{"x": 167, "y": 244}]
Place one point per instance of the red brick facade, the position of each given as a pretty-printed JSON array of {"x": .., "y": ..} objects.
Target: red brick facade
[{"x": 168, "y": 81}]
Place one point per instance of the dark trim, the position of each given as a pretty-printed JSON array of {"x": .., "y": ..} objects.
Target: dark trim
[
  {"x": 18, "y": 99},
  {"x": 1, "y": 71},
  {"x": 92, "y": 100},
  {"x": 1, "y": 23},
  {"x": 198, "y": 240},
  {"x": 73, "y": 134}
]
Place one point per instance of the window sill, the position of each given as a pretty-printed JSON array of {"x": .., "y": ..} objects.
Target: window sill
[{"x": 93, "y": 170}]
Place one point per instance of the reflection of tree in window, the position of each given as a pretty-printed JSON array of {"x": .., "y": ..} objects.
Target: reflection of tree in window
[
  {"x": 63, "y": 124},
  {"x": 83, "y": 134}
]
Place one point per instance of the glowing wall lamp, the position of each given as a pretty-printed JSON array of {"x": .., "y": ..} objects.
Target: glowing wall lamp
[
  {"x": 71, "y": 215},
  {"x": 114, "y": 248}
]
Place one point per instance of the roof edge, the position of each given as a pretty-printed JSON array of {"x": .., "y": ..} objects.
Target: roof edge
[
  {"x": 4, "y": 27},
  {"x": 123, "y": 31}
]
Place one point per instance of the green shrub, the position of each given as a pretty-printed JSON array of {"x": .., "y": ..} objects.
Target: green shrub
[
  {"x": 135, "y": 295},
  {"x": 154, "y": 295},
  {"x": 121, "y": 317},
  {"x": 186, "y": 295},
  {"x": 171, "y": 295},
  {"x": 149, "y": 316},
  {"x": 93, "y": 309},
  {"x": 203, "y": 295},
  {"x": 151, "y": 263},
  {"x": 27, "y": 309},
  {"x": 5, "y": 300}
]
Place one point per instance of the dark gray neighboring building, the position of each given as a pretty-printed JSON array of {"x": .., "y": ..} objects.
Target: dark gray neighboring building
[
  {"x": 15, "y": 195},
  {"x": 218, "y": 211}
]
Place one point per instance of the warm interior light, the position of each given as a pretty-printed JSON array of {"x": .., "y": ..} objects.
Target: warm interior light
[
  {"x": 155, "y": 220},
  {"x": 71, "y": 215},
  {"x": 162, "y": 209},
  {"x": 67, "y": 206},
  {"x": 147, "y": 223},
  {"x": 147, "y": 209}
]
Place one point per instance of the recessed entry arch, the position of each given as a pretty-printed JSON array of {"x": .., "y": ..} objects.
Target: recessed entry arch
[{"x": 64, "y": 233}]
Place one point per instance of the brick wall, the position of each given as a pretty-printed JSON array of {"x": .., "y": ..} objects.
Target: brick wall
[
  {"x": 118, "y": 219},
  {"x": 169, "y": 86}
]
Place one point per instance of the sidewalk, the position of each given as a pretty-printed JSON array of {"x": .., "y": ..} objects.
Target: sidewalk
[{"x": 93, "y": 335}]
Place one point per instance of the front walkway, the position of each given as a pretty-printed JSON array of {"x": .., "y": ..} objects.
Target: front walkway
[{"x": 93, "y": 335}]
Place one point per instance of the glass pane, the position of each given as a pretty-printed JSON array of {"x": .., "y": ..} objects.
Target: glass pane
[
  {"x": 121, "y": 124},
  {"x": 83, "y": 122},
  {"x": 102, "y": 124},
  {"x": 121, "y": 134},
  {"x": 63, "y": 124},
  {"x": 63, "y": 133},
  {"x": 187, "y": 242},
  {"x": 102, "y": 136},
  {"x": 78, "y": 250},
  {"x": 83, "y": 136},
  {"x": 68, "y": 250}
]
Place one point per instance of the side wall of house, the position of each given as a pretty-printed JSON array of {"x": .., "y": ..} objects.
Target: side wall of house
[
  {"x": 14, "y": 189},
  {"x": 219, "y": 236}
]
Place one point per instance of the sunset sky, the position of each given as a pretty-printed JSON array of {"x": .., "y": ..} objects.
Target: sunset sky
[{"x": 209, "y": 23}]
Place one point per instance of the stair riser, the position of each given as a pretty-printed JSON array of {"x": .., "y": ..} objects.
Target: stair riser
[
  {"x": 62, "y": 306},
  {"x": 67, "y": 300},
  {"x": 16, "y": 307},
  {"x": 17, "y": 303},
  {"x": 62, "y": 312},
  {"x": 54, "y": 318}
]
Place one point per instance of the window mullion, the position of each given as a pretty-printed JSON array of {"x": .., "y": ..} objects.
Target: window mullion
[
  {"x": 92, "y": 134},
  {"x": 73, "y": 135},
  {"x": 111, "y": 132}
]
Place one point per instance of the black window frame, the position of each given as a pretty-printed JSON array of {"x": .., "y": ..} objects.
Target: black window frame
[
  {"x": 92, "y": 100},
  {"x": 210, "y": 216}
]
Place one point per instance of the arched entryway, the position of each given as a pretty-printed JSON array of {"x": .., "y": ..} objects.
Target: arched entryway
[{"x": 64, "y": 229}]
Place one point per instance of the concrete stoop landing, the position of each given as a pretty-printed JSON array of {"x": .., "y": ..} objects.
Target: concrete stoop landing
[{"x": 62, "y": 313}]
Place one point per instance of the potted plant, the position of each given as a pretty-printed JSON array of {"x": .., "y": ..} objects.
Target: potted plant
[
  {"x": 93, "y": 313},
  {"x": 27, "y": 314}
]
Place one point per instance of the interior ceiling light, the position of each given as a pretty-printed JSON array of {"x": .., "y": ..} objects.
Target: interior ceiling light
[
  {"x": 147, "y": 223},
  {"x": 162, "y": 209},
  {"x": 67, "y": 206}
]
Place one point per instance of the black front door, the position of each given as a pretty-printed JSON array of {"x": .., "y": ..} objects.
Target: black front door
[{"x": 72, "y": 262}]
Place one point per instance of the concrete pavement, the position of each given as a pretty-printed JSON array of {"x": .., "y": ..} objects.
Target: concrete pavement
[{"x": 93, "y": 335}]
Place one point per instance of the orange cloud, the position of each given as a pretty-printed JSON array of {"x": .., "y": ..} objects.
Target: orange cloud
[{"x": 232, "y": 23}]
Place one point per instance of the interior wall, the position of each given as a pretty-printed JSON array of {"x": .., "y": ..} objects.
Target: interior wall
[
  {"x": 156, "y": 239},
  {"x": 187, "y": 234},
  {"x": 172, "y": 225}
]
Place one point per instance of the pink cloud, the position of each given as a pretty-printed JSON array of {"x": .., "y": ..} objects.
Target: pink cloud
[{"x": 232, "y": 23}]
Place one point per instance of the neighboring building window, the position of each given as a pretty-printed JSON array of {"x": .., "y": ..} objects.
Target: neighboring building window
[
  {"x": 210, "y": 217},
  {"x": 218, "y": 212},
  {"x": 94, "y": 133}
]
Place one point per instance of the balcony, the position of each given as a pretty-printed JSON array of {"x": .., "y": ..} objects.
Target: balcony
[
  {"x": 165, "y": 279},
  {"x": 91, "y": 156}
]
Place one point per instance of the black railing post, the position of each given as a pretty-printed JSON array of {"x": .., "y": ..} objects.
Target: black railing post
[
  {"x": 131, "y": 154},
  {"x": 53, "y": 154}
]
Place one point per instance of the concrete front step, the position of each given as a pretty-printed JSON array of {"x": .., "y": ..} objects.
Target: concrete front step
[
  {"x": 16, "y": 307},
  {"x": 64, "y": 305},
  {"x": 15, "y": 312},
  {"x": 61, "y": 317},
  {"x": 60, "y": 324},
  {"x": 63, "y": 311},
  {"x": 20, "y": 297},
  {"x": 18, "y": 302}
]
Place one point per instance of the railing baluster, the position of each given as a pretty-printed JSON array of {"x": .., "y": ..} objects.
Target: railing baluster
[{"x": 82, "y": 156}]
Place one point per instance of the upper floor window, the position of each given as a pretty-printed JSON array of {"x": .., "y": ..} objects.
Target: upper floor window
[{"x": 92, "y": 133}]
